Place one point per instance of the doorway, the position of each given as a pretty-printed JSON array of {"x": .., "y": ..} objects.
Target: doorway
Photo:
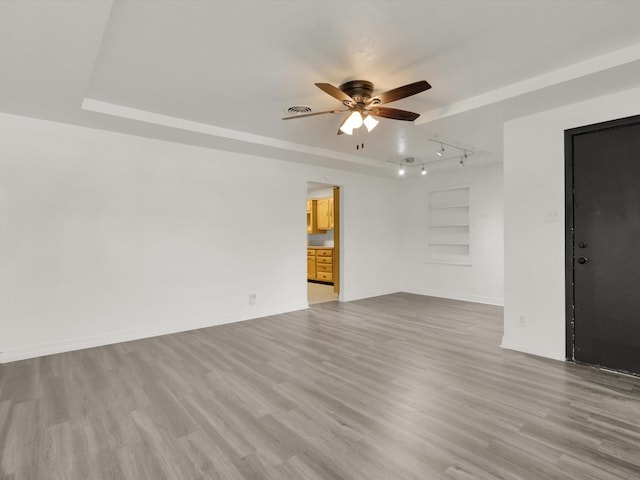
[
  {"x": 323, "y": 242},
  {"x": 602, "y": 164}
]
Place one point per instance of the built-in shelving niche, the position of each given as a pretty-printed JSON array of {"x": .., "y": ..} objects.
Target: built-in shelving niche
[{"x": 448, "y": 236}]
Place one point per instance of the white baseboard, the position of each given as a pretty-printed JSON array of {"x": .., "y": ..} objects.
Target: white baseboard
[
  {"x": 466, "y": 297},
  {"x": 510, "y": 344},
  {"x": 79, "y": 343},
  {"x": 351, "y": 297}
]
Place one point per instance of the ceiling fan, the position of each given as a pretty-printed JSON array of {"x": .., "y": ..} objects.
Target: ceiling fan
[{"x": 356, "y": 95}]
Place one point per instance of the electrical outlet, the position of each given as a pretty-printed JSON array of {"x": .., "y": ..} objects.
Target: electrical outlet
[
  {"x": 551, "y": 215},
  {"x": 523, "y": 321},
  {"x": 252, "y": 299}
]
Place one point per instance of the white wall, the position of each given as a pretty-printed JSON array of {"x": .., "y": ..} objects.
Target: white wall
[
  {"x": 107, "y": 237},
  {"x": 320, "y": 193},
  {"x": 483, "y": 280},
  {"x": 534, "y": 220}
]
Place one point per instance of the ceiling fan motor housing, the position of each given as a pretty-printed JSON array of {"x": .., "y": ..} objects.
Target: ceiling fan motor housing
[{"x": 359, "y": 90}]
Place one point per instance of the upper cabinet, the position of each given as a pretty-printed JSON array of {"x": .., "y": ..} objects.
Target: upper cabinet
[
  {"x": 324, "y": 213},
  {"x": 319, "y": 215},
  {"x": 311, "y": 216}
]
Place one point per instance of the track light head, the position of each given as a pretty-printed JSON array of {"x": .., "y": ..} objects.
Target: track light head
[
  {"x": 424, "y": 171},
  {"x": 441, "y": 151}
]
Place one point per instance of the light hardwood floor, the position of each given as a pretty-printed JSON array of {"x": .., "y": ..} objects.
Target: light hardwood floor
[
  {"x": 320, "y": 293},
  {"x": 398, "y": 387}
]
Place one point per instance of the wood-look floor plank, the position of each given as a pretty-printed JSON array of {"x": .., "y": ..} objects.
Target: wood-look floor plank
[
  {"x": 54, "y": 405},
  {"x": 105, "y": 465},
  {"x": 64, "y": 451},
  {"x": 162, "y": 441},
  {"x": 399, "y": 387},
  {"x": 208, "y": 459},
  {"x": 139, "y": 461},
  {"x": 20, "y": 438}
]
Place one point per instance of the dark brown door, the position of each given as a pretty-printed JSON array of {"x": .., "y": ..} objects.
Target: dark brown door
[{"x": 603, "y": 247}]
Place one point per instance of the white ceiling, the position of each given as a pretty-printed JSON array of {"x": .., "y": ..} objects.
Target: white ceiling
[{"x": 222, "y": 73}]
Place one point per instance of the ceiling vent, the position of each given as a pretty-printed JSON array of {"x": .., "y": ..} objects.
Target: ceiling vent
[{"x": 299, "y": 109}]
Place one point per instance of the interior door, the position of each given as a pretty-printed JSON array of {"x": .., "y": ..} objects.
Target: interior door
[{"x": 605, "y": 244}]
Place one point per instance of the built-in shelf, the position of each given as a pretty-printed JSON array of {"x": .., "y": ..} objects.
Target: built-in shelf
[
  {"x": 444, "y": 207},
  {"x": 448, "y": 236},
  {"x": 451, "y": 261},
  {"x": 449, "y": 243},
  {"x": 451, "y": 225}
]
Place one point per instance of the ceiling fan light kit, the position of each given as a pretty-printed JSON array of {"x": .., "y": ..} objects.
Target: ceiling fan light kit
[
  {"x": 356, "y": 95},
  {"x": 370, "y": 122},
  {"x": 352, "y": 122}
]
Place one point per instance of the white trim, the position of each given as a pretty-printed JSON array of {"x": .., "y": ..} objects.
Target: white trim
[
  {"x": 577, "y": 70},
  {"x": 509, "y": 344},
  {"x": 145, "y": 116},
  {"x": 349, "y": 297},
  {"x": 79, "y": 343},
  {"x": 465, "y": 297}
]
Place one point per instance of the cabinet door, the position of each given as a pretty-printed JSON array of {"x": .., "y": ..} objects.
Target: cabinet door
[
  {"x": 331, "y": 212},
  {"x": 310, "y": 219},
  {"x": 323, "y": 214},
  {"x": 311, "y": 268}
]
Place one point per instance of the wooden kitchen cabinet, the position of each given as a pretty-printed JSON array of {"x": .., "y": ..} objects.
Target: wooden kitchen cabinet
[
  {"x": 324, "y": 213},
  {"x": 319, "y": 215},
  {"x": 311, "y": 264},
  {"x": 311, "y": 216},
  {"x": 320, "y": 264}
]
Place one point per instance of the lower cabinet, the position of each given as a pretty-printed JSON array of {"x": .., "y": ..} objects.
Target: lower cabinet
[
  {"x": 320, "y": 264},
  {"x": 311, "y": 264}
]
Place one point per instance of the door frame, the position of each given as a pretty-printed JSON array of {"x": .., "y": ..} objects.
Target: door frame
[
  {"x": 337, "y": 193},
  {"x": 569, "y": 219}
]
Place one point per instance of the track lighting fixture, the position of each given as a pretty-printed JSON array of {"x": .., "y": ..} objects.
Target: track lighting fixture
[
  {"x": 463, "y": 158},
  {"x": 410, "y": 162}
]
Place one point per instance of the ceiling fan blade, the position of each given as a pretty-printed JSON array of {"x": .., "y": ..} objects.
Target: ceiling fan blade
[
  {"x": 335, "y": 93},
  {"x": 393, "y": 113},
  {"x": 312, "y": 114},
  {"x": 400, "y": 92}
]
